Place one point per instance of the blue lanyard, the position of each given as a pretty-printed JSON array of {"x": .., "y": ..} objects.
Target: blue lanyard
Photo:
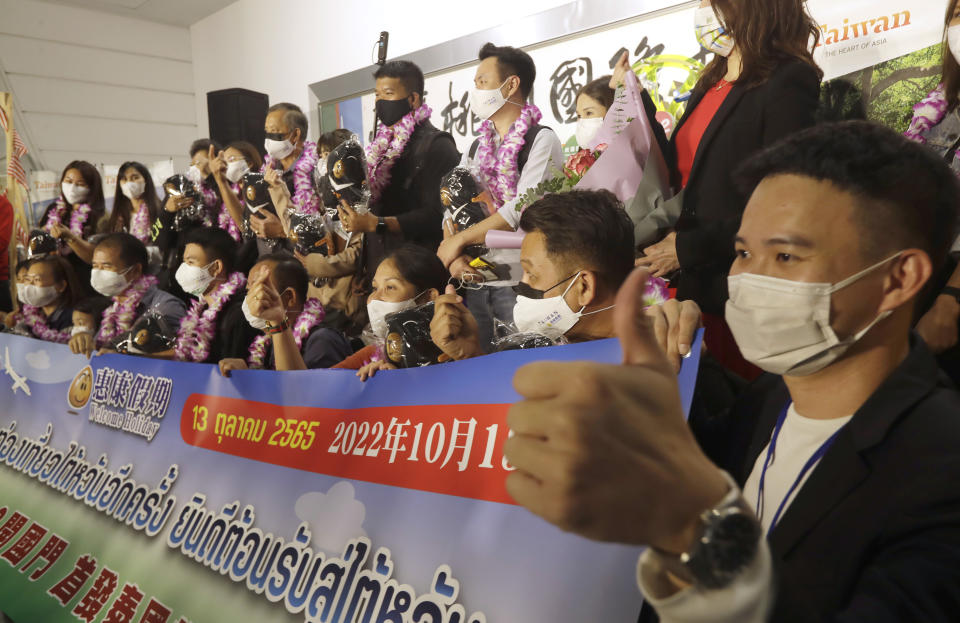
[{"x": 771, "y": 451}]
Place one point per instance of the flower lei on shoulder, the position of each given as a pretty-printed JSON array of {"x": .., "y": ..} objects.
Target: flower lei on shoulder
[
  {"x": 928, "y": 114},
  {"x": 199, "y": 326},
  {"x": 225, "y": 220},
  {"x": 78, "y": 217},
  {"x": 304, "y": 198},
  {"x": 36, "y": 321},
  {"x": 388, "y": 146},
  {"x": 119, "y": 317},
  {"x": 498, "y": 167},
  {"x": 140, "y": 223},
  {"x": 312, "y": 315}
]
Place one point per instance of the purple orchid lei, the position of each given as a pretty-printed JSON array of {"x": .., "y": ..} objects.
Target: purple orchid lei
[
  {"x": 78, "y": 216},
  {"x": 387, "y": 147},
  {"x": 36, "y": 321},
  {"x": 498, "y": 167},
  {"x": 928, "y": 114},
  {"x": 304, "y": 197},
  {"x": 312, "y": 315},
  {"x": 119, "y": 317},
  {"x": 199, "y": 325}
]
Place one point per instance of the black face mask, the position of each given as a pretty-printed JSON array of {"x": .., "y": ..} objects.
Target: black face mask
[{"x": 392, "y": 111}]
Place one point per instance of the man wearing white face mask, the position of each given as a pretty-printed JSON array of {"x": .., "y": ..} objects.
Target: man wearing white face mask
[
  {"x": 294, "y": 337},
  {"x": 577, "y": 252},
  {"x": 120, "y": 273},
  {"x": 513, "y": 154},
  {"x": 839, "y": 500}
]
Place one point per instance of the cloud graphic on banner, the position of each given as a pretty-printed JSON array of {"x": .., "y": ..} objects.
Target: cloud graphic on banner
[
  {"x": 335, "y": 517},
  {"x": 39, "y": 360}
]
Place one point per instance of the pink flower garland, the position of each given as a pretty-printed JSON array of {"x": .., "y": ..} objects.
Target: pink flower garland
[
  {"x": 312, "y": 315},
  {"x": 498, "y": 167},
  {"x": 78, "y": 216},
  {"x": 928, "y": 114},
  {"x": 140, "y": 223},
  {"x": 36, "y": 320},
  {"x": 198, "y": 327},
  {"x": 655, "y": 292},
  {"x": 225, "y": 220},
  {"x": 119, "y": 317},
  {"x": 388, "y": 146},
  {"x": 304, "y": 197}
]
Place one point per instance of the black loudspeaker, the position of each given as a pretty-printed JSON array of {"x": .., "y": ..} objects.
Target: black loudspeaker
[{"x": 237, "y": 115}]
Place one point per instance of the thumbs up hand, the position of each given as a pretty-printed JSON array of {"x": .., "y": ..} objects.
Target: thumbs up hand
[{"x": 604, "y": 450}]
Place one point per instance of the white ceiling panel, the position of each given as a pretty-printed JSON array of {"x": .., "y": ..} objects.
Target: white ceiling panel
[{"x": 175, "y": 12}]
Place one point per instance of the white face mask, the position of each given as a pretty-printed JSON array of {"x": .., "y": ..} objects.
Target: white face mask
[
  {"x": 194, "y": 279},
  {"x": 78, "y": 329},
  {"x": 953, "y": 40},
  {"x": 711, "y": 34},
  {"x": 551, "y": 317},
  {"x": 587, "y": 130},
  {"x": 236, "y": 170},
  {"x": 133, "y": 190},
  {"x": 377, "y": 312},
  {"x": 39, "y": 296},
  {"x": 257, "y": 323},
  {"x": 278, "y": 150},
  {"x": 194, "y": 174},
  {"x": 107, "y": 282},
  {"x": 783, "y": 326},
  {"x": 485, "y": 102},
  {"x": 74, "y": 194},
  {"x": 21, "y": 287}
]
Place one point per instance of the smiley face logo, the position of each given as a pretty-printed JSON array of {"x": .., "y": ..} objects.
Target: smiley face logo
[{"x": 79, "y": 393}]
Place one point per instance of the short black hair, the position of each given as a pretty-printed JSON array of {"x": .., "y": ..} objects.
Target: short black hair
[
  {"x": 329, "y": 141},
  {"x": 203, "y": 144},
  {"x": 406, "y": 72},
  {"x": 216, "y": 244},
  {"x": 293, "y": 117},
  {"x": 94, "y": 306},
  {"x": 586, "y": 230},
  {"x": 129, "y": 247},
  {"x": 907, "y": 197},
  {"x": 288, "y": 272},
  {"x": 512, "y": 62},
  {"x": 420, "y": 267}
]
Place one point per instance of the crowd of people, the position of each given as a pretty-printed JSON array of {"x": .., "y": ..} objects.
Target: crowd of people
[{"x": 815, "y": 478}]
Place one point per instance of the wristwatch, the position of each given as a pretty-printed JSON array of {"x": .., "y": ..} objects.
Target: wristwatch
[
  {"x": 726, "y": 544},
  {"x": 381, "y": 225},
  {"x": 951, "y": 291}
]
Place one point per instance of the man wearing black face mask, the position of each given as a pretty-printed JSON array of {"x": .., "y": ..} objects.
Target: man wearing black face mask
[{"x": 406, "y": 160}]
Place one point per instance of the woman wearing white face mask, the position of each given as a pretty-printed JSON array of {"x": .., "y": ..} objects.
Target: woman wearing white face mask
[
  {"x": 228, "y": 168},
  {"x": 10, "y": 318},
  {"x": 50, "y": 290},
  {"x": 135, "y": 204},
  {"x": 73, "y": 217},
  {"x": 761, "y": 86},
  {"x": 936, "y": 123},
  {"x": 408, "y": 277}
]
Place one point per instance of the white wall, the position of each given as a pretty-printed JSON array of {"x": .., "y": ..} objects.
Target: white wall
[
  {"x": 96, "y": 86},
  {"x": 280, "y": 48}
]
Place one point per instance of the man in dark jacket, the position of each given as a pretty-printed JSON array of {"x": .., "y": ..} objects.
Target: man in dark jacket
[
  {"x": 838, "y": 498},
  {"x": 407, "y": 159}
]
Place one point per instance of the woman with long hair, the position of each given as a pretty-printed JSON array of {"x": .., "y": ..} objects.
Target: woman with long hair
[
  {"x": 936, "y": 123},
  {"x": 73, "y": 216},
  {"x": 761, "y": 86},
  {"x": 135, "y": 205}
]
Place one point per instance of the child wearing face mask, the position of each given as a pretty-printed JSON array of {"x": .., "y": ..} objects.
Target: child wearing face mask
[
  {"x": 936, "y": 123},
  {"x": 10, "y": 318},
  {"x": 408, "y": 277}
]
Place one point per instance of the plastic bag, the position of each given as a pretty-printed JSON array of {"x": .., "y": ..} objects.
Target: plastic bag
[
  {"x": 347, "y": 174},
  {"x": 192, "y": 215},
  {"x": 508, "y": 338},
  {"x": 466, "y": 202},
  {"x": 41, "y": 243},
  {"x": 408, "y": 343},
  {"x": 149, "y": 335},
  {"x": 309, "y": 233}
]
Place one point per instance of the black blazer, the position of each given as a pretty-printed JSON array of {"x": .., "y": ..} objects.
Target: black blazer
[
  {"x": 749, "y": 120},
  {"x": 874, "y": 533}
]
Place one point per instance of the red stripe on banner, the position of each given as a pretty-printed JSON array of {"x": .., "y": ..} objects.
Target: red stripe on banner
[
  {"x": 3, "y": 120},
  {"x": 449, "y": 449}
]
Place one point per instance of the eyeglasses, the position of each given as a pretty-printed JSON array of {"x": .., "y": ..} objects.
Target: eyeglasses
[{"x": 526, "y": 290}]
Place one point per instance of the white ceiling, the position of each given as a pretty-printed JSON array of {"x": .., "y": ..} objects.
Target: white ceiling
[{"x": 175, "y": 12}]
